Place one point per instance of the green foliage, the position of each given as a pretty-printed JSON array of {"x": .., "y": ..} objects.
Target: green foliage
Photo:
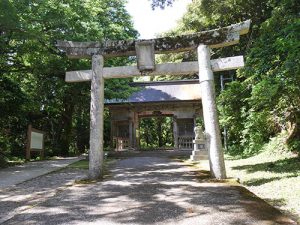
[
  {"x": 33, "y": 89},
  {"x": 82, "y": 164},
  {"x": 255, "y": 131},
  {"x": 231, "y": 106},
  {"x": 209, "y": 14},
  {"x": 156, "y": 132},
  {"x": 12, "y": 100},
  {"x": 264, "y": 99},
  {"x": 272, "y": 72}
]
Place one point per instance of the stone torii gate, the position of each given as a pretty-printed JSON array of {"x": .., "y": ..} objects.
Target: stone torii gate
[{"x": 145, "y": 51}]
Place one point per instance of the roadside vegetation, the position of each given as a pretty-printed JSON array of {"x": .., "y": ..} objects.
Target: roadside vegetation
[
  {"x": 262, "y": 101},
  {"x": 32, "y": 86},
  {"x": 84, "y": 165},
  {"x": 276, "y": 180},
  {"x": 273, "y": 175}
]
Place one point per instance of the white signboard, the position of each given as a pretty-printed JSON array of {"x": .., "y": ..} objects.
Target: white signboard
[{"x": 36, "y": 141}]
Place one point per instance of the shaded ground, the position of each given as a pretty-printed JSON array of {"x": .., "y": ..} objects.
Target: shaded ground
[
  {"x": 29, "y": 194},
  {"x": 142, "y": 190}
]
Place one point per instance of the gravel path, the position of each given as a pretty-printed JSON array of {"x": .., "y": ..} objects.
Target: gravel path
[
  {"x": 28, "y": 194},
  {"x": 141, "y": 190}
]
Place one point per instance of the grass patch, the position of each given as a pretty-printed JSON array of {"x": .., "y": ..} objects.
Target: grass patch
[
  {"x": 84, "y": 165},
  {"x": 4, "y": 163},
  {"x": 86, "y": 181},
  {"x": 203, "y": 171},
  {"x": 273, "y": 177}
]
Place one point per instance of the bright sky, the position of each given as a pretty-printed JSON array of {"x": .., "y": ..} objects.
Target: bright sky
[{"x": 149, "y": 22}]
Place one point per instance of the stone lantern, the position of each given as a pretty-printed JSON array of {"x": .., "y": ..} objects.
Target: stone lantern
[{"x": 200, "y": 145}]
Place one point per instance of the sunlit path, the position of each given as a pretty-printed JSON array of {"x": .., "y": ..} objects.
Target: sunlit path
[
  {"x": 151, "y": 190},
  {"x": 17, "y": 174}
]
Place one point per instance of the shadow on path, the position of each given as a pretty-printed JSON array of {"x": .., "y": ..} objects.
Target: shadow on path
[{"x": 152, "y": 190}]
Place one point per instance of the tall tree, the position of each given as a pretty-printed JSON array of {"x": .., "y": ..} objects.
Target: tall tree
[
  {"x": 263, "y": 101},
  {"x": 273, "y": 77},
  {"x": 30, "y": 59}
]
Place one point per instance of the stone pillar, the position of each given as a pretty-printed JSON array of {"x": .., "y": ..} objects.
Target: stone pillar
[
  {"x": 130, "y": 129},
  {"x": 96, "y": 123},
  {"x": 206, "y": 79},
  {"x": 138, "y": 141},
  {"x": 135, "y": 131},
  {"x": 175, "y": 132},
  {"x": 112, "y": 131}
]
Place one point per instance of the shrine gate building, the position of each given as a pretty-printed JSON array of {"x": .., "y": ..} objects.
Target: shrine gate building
[{"x": 178, "y": 99}]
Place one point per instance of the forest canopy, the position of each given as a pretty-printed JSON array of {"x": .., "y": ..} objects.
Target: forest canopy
[
  {"x": 263, "y": 100},
  {"x": 32, "y": 86}
]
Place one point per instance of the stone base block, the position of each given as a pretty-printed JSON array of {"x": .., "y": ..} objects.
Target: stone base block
[
  {"x": 199, "y": 155},
  {"x": 197, "y": 141}
]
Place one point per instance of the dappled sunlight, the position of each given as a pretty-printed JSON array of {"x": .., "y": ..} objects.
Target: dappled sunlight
[
  {"x": 24, "y": 196},
  {"x": 156, "y": 191},
  {"x": 16, "y": 196},
  {"x": 120, "y": 183},
  {"x": 275, "y": 179}
]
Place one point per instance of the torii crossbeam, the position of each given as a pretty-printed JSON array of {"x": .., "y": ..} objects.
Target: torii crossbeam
[{"x": 145, "y": 50}]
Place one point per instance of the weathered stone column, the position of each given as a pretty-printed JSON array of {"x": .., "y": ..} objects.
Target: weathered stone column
[
  {"x": 138, "y": 140},
  {"x": 130, "y": 129},
  {"x": 135, "y": 130},
  {"x": 112, "y": 131},
  {"x": 96, "y": 123},
  {"x": 206, "y": 79}
]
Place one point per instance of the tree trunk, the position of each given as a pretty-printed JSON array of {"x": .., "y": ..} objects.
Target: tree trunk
[{"x": 66, "y": 118}]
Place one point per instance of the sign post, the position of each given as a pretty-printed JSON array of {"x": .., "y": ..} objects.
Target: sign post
[{"x": 35, "y": 142}]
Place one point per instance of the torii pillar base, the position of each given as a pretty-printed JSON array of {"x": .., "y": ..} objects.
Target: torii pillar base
[{"x": 211, "y": 122}]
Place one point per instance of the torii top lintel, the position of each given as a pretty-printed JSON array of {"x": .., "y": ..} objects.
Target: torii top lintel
[{"x": 216, "y": 38}]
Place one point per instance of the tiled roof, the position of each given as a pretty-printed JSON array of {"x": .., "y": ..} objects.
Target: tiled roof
[{"x": 163, "y": 91}]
